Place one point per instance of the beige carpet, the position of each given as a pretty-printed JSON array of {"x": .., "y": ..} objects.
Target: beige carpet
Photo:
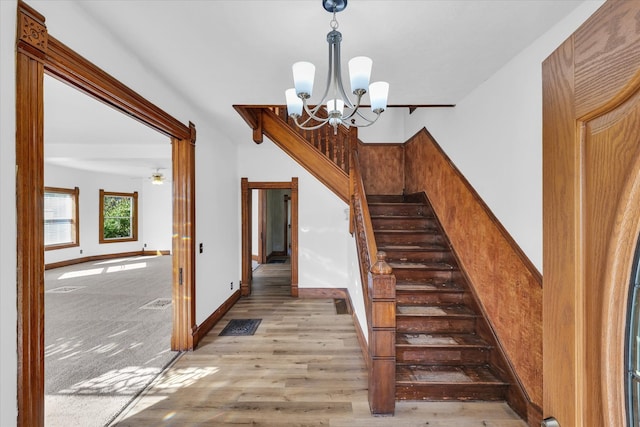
[{"x": 107, "y": 335}]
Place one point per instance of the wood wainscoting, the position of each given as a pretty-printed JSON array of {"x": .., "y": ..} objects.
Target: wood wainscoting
[{"x": 506, "y": 284}]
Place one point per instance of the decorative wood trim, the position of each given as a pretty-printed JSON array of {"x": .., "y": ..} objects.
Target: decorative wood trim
[
  {"x": 246, "y": 213},
  {"x": 30, "y": 222},
  {"x": 38, "y": 52},
  {"x": 294, "y": 237},
  {"x": 91, "y": 258},
  {"x": 246, "y": 200},
  {"x": 203, "y": 329},
  {"x": 308, "y": 157},
  {"x": 67, "y": 66},
  {"x": 184, "y": 323}
]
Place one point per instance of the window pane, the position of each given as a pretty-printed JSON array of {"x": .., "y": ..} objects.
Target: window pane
[
  {"x": 59, "y": 210},
  {"x": 118, "y": 217}
]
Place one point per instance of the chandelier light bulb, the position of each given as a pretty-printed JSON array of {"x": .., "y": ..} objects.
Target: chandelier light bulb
[
  {"x": 303, "y": 75},
  {"x": 378, "y": 93},
  {"x": 294, "y": 103},
  {"x": 359, "y": 73}
]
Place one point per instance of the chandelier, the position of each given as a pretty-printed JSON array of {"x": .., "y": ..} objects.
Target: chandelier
[{"x": 339, "y": 108}]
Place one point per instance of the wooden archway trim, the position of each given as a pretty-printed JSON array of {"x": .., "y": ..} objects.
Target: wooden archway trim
[
  {"x": 246, "y": 187},
  {"x": 37, "y": 53}
]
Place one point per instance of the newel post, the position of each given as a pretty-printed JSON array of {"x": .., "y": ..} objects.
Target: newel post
[{"x": 382, "y": 338}]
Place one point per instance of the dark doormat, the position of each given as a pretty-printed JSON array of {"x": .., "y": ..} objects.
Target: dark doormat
[
  {"x": 275, "y": 261},
  {"x": 240, "y": 327}
]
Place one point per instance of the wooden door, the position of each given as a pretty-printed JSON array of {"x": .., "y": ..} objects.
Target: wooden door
[{"x": 591, "y": 203}]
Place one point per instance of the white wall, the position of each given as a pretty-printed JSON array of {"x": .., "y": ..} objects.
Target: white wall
[
  {"x": 494, "y": 136},
  {"x": 218, "y": 220},
  {"x": 154, "y": 212},
  {"x": 322, "y": 225},
  {"x": 8, "y": 294}
]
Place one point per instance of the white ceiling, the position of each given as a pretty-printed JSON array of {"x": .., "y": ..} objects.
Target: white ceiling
[{"x": 217, "y": 53}]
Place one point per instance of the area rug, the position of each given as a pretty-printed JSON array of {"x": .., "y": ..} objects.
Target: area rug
[{"x": 241, "y": 327}]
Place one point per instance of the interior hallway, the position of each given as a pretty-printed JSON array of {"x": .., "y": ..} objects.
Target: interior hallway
[{"x": 302, "y": 367}]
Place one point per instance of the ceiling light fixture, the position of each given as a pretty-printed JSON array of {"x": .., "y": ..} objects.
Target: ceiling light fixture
[
  {"x": 157, "y": 178},
  {"x": 338, "y": 102}
]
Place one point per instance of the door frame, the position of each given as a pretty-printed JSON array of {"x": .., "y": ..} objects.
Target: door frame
[
  {"x": 246, "y": 201},
  {"x": 37, "y": 53}
]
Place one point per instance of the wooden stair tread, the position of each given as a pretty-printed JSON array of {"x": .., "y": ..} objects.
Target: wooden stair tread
[
  {"x": 428, "y": 286},
  {"x": 435, "y": 311},
  {"x": 422, "y": 265},
  {"x": 440, "y": 340},
  {"x": 420, "y": 374},
  {"x": 416, "y": 248}
]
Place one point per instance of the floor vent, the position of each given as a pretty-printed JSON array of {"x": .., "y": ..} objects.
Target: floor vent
[
  {"x": 157, "y": 304},
  {"x": 64, "y": 289}
]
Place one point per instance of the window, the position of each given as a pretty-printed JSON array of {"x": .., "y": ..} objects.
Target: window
[
  {"x": 118, "y": 217},
  {"x": 61, "y": 218},
  {"x": 632, "y": 380}
]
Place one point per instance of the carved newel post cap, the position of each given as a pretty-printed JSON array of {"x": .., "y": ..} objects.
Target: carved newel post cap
[{"x": 381, "y": 266}]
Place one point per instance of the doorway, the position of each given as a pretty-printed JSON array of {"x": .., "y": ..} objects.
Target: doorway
[
  {"x": 39, "y": 53},
  {"x": 282, "y": 240}
]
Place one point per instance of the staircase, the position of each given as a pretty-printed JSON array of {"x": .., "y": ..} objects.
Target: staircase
[{"x": 443, "y": 348}]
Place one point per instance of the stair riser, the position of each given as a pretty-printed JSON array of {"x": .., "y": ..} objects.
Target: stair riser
[
  {"x": 429, "y": 298},
  {"x": 451, "y": 356},
  {"x": 399, "y": 209},
  {"x": 419, "y": 275},
  {"x": 403, "y": 224},
  {"x": 398, "y": 255},
  {"x": 448, "y": 392},
  {"x": 422, "y": 324},
  {"x": 417, "y": 239}
]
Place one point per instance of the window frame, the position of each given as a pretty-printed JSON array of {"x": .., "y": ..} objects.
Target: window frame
[
  {"x": 134, "y": 217},
  {"x": 75, "y": 229}
]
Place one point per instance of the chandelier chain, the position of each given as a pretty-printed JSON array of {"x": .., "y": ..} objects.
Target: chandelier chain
[{"x": 334, "y": 22}]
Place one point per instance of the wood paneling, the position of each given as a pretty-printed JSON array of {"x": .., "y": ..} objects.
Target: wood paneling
[
  {"x": 507, "y": 287},
  {"x": 591, "y": 187},
  {"x": 382, "y": 167}
]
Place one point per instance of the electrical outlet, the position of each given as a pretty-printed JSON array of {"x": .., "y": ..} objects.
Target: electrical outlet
[
  {"x": 80, "y": 251},
  {"x": 145, "y": 245},
  {"x": 231, "y": 285},
  {"x": 201, "y": 247}
]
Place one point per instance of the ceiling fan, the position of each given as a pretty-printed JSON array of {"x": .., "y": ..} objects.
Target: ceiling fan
[{"x": 157, "y": 177}]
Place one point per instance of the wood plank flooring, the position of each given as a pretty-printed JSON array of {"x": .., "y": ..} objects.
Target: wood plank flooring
[{"x": 303, "y": 367}]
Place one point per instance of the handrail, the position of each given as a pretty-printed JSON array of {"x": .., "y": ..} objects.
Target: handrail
[
  {"x": 333, "y": 146},
  {"x": 379, "y": 291}
]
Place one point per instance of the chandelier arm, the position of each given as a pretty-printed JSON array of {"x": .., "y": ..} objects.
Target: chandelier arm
[
  {"x": 369, "y": 121},
  {"x": 303, "y": 125},
  {"x": 355, "y": 109},
  {"x": 338, "y": 76}
]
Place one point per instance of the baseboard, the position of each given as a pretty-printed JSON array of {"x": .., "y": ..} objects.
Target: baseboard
[
  {"x": 102, "y": 257},
  {"x": 204, "y": 328},
  {"x": 340, "y": 293}
]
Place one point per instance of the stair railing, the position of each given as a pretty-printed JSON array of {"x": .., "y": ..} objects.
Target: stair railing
[
  {"x": 334, "y": 146},
  {"x": 379, "y": 290}
]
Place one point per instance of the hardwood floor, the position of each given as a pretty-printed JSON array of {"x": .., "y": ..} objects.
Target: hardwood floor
[{"x": 303, "y": 367}]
